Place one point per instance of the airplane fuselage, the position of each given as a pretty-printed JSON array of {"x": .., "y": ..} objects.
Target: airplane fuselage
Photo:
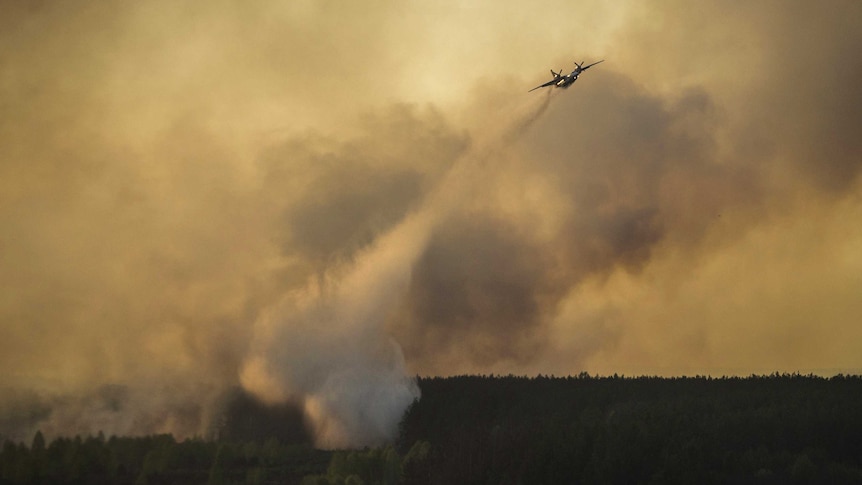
[{"x": 568, "y": 80}]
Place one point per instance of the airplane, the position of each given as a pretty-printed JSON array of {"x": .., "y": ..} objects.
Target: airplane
[{"x": 561, "y": 81}]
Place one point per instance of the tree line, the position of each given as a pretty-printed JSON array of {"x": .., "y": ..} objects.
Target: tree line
[
  {"x": 784, "y": 428},
  {"x": 157, "y": 459}
]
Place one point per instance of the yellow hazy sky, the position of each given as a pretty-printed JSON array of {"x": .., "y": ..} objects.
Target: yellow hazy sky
[{"x": 314, "y": 200}]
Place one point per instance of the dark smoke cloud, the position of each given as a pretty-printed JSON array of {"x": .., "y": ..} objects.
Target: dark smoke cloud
[
  {"x": 478, "y": 287},
  {"x": 344, "y": 194},
  {"x": 809, "y": 101},
  {"x": 486, "y": 289}
]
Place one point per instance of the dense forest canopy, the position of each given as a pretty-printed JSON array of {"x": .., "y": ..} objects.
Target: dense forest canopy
[
  {"x": 767, "y": 429},
  {"x": 784, "y": 428}
]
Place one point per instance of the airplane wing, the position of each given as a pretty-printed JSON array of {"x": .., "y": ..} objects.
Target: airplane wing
[
  {"x": 552, "y": 81},
  {"x": 591, "y": 65}
]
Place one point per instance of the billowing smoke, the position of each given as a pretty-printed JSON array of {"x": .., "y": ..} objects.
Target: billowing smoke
[
  {"x": 309, "y": 203},
  {"x": 327, "y": 344}
]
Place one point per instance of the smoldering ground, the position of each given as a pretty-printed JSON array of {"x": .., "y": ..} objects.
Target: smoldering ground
[
  {"x": 236, "y": 415},
  {"x": 317, "y": 204}
]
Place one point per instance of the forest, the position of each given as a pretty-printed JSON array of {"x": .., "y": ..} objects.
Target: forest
[{"x": 785, "y": 428}]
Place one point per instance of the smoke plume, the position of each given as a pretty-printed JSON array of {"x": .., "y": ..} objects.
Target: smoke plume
[{"x": 327, "y": 344}]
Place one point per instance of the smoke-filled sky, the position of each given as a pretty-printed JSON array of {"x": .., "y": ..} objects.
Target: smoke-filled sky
[{"x": 315, "y": 200}]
